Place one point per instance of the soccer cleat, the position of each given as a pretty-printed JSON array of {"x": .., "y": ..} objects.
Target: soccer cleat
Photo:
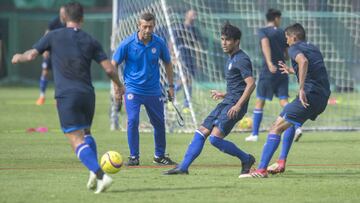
[
  {"x": 278, "y": 167},
  {"x": 40, "y": 101},
  {"x": 103, "y": 184},
  {"x": 133, "y": 161},
  {"x": 164, "y": 160},
  {"x": 298, "y": 134},
  {"x": 175, "y": 171},
  {"x": 91, "y": 185},
  {"x": 246, "y": 167},
  {"x": 252, "y": 138},
  {"x": 259, "y": 173}
]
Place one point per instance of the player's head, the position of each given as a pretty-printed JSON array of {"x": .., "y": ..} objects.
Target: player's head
[
  {"x": 74, "y": 12},
  {"x": 62, "y": 14},
  {"x": 190, "y": 16},
  {"x": 274, "y": 15},
  {"x": 294, "y": 33},
  {"x": 146, "y": 25},
  {"x": 230, "y": 38}
]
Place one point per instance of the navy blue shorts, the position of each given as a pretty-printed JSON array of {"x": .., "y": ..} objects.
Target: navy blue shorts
[
  {"x": 268, "y": 87},
  {"x": 296, "y": 114},
  {"x": 76, "y": 111},
  {"x": 46, "y": 64},
  {"x": 218, "y": 117}
]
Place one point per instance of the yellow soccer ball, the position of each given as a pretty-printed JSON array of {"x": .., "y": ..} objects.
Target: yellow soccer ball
[
  {"x": 245, "y": 123},
  {"x": 111, "y": 162}
]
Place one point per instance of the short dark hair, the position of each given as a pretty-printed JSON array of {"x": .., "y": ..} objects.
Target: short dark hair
[
  {"x": 231, "y": 31},
  {"x": 147, "y": 16},
  {"x": 272, "y": 14},
  {"x": 74, "y": 12},
  {"x": 296, "y": 29}
]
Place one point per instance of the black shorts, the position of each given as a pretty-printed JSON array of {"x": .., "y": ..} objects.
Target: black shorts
[
  {"x": 76, "y": 111},
  {"x": 268, "y": 87}
]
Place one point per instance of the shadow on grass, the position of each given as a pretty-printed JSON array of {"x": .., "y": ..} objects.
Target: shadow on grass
[{"x": 152, "y": 189}]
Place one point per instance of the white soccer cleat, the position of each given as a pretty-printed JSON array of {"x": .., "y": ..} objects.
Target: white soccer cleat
[
  {"x": 91, "y": 185},
  {"x": 298, "y": 134},
  {"x": 104, "y": 184},
  {"x": 252, "y": 138}
]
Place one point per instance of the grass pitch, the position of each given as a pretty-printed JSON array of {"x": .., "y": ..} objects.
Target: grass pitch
[{"x": 40, "y": 167}]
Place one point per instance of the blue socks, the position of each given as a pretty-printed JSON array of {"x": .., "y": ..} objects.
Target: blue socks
[
  {"x": 91, "y": 142},
  {"x": 87, "y": 157},
  {"x": 287, "y": 142},
  {"x": 193, "y": 150},
  {"x": 43, "y": 85},
  {"x": 257, "y": 117},
  {"x": 229, "y": 148},
  {"x": 270, "y": 147}
]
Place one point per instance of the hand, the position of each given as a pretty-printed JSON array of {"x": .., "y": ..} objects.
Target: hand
[
  {"x": 46, "y": 54},
  {"x": 216, "y": 94},
  {"x": 233, "y": 111},
  {"x": 303, "y": 99},
  {"x": 119, "y": 92},
  {"x": 285, "y": 69},
  {"x": 272, "y": 68},
  {"x": 171, "y": 93},
  {"x": 16, "y": 59}
]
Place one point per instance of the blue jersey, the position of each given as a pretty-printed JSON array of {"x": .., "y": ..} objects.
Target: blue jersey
[
  {"x": 278, "y": 46},
  {"x": 55, "y": 23},
  {"x": 71, "y": 53},
  {"x": 142, "y": 68},
  {"x": 316, "y": 80},
  {"x": 238, "y": 67}
]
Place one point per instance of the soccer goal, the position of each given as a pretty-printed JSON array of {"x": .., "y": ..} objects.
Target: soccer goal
[{"x": 332, "y": 25}]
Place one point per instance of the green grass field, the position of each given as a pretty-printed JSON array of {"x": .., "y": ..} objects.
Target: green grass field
[{"x": 40, "y": 167}]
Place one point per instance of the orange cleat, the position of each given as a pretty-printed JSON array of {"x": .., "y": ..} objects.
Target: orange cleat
[{"x": 40, "y": 101}]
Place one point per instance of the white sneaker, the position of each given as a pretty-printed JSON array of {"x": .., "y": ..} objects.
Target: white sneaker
[
  {"x": 104, "y": 184},
  {"x": 91, "y": 185},
  {"x": 298, "y": 134},
  {"x": 252, "y": 138}
]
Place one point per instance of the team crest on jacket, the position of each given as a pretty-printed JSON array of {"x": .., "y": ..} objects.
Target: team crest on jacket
[
  {"x": 130, "y": 96},
  {"x": 153, "y": 50}
]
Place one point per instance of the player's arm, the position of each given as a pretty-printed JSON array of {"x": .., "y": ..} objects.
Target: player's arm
[
  {"x": 216, "y": 95},
  {"x": 28, "y": 55},
  {"x": 302, "y": 62},
  {"x": 169, "y": 74},
  {"x": 265, "y": 47},
  {"x": 250, "y": 86},
  {"x": 111, "y": 71}
]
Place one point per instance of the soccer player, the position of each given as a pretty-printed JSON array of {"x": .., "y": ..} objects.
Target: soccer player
[
  {"x": 219, "y": 123},
  {"x": 271, "y": 81},
  {"x": 56, "y": 23},
  {"x": 72, "y": 50},
  {"x": 314, "y": 91},
  {"x": 141, "y": 52},
  {"x": 187, "y": 53}
]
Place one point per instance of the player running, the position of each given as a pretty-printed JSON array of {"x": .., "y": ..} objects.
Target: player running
[
  {"x": 56, "y": 23},
  {"x": 72, "y": 51},
  {"x": 314, "y": 91},
  {"x": 240, "y": 84}
]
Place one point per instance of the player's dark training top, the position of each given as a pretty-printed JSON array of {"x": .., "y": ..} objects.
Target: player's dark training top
[
  {"x": 71, "y": 53},
  {"x": 278, "y": 46},
  {"x": 237, "y": 68},
  {"x": 316, "y": 80}
]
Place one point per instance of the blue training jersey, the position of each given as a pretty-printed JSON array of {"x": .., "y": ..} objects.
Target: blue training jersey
[
  {"x": 237, "y": 69},
  {"x": 316, "y": 80},
  {"x": 278, "y": 47},
  {"x": 72, "y": 51},
  {"x": 142, "y": 68}
]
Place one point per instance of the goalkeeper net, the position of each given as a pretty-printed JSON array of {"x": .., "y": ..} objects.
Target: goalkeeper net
[{"x": 192, "y": 31}]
